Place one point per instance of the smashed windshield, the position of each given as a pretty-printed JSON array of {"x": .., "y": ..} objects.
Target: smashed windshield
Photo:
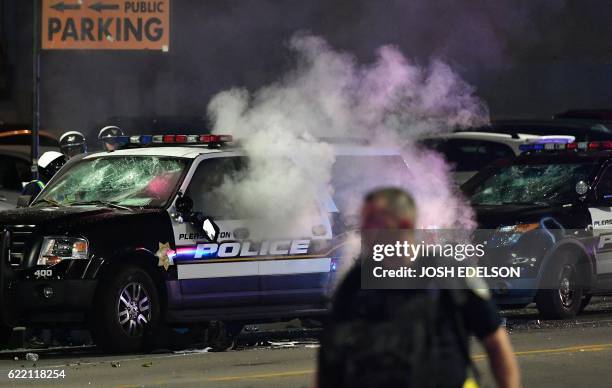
[
  {"x": 142, "y": 181},
  {"x": 531, "y": 184}
]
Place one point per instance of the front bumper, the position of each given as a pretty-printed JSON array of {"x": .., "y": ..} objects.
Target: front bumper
[
  {"x": 70, "y": 301},
  {"x": 23, "y": 301}
]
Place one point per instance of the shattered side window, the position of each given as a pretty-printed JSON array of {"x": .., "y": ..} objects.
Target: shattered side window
[
  {"x": 211, "y": 183},
  {"x": 142, "y": 181},
  {"x": 532, "y": 184}
]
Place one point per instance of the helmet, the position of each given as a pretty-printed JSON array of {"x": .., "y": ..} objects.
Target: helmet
[
  {"x": 72, "y": 143},
  {"x": 107, "y": 135},
  {"x": 49, "y": 163}
]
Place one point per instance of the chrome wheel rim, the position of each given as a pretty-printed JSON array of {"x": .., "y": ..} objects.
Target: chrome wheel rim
[
  {"x": 566, "y": 286},
  {"x": 133, "y": 309}
]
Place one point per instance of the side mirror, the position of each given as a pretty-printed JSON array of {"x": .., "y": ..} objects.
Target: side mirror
[
  {"x": 183, "y": 205},
  {"x": 24, "y": 200},
  {"x": 206, "y": 225},
  {"x": 581, "y": 187}
]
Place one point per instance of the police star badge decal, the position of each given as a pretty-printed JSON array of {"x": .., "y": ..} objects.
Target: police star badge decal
[{"x": 164, "y": 254}]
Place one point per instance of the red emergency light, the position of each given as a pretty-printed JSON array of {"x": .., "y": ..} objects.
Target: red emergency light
[
  {"x": 145, "y": 140},
  {"x": 579, "y": 146},
  {"x": 216, "y": 138}
]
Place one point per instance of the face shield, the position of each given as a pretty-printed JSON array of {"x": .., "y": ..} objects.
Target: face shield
[
  {"x": 71, "y": 150},
  {"x": 110, "y": 144}
]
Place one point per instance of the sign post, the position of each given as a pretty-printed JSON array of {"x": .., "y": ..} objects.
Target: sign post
[
  {"x": 105, "y": 25},
  {"x": 35, "y": 87}
]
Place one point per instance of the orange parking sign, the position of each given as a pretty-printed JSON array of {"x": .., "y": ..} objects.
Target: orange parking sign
[{"x": 105, "y": 25}]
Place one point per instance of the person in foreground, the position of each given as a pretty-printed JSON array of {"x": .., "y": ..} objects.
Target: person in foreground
[{"x": 417, "y": 337}]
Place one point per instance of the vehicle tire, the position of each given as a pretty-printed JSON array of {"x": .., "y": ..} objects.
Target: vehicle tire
[
  {"x": 564, "y": 301},
  {"x": 584, "y": 303},
  {"x": 128, "y": 310},
  {"x": 220, "y": 337}
]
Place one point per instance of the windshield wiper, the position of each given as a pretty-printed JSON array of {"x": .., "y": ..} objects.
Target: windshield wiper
[
  {"x": 49, "y": 201},
  {"x": 103, "y": 203}
]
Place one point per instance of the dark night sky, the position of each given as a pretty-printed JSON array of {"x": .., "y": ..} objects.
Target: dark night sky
[{"x": 526, "y": 58}]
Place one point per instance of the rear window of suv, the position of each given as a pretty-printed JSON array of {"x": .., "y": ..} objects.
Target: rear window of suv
[
  {"x": 468, "y": 154},
  {"x": 353, "y": 175}
]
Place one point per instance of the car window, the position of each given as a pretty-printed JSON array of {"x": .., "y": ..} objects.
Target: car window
[
  {"x": 13, "y": 171},
  {"x": 205, "y": 186},
  {"x": 580, "y": 134},
  {"x": 140, "y": 181},
  {"x": 471, "y": 155},
  {"x": 531, "y": 184}
]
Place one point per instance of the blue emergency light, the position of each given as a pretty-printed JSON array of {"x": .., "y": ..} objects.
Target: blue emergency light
[
  {"x": 160, "y": 140},
  {"x": 556, "y": 146}
]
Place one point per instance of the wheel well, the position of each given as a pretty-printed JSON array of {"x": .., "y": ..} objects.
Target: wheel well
[
  {"x": 141, "y": 259},
  {"x": 584, "y": 265}
]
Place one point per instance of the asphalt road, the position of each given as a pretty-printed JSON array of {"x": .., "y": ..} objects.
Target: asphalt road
[{"x": 551, "y": 354}]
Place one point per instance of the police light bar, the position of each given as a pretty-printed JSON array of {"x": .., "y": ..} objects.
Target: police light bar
[
  {"x": 547, "y": 143},
  {"x": 192, "y": 139},
  {"x": 579, "y": 146},
  {"x": 145, "y": 140}
]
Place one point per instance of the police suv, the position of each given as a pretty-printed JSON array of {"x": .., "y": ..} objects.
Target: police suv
[
  {"x": 550, "y": 213},
  {"x": 128, "y": 240}
]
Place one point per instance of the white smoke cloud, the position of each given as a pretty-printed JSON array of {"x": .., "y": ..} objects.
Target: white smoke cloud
[{"x": 391, "y": 101}]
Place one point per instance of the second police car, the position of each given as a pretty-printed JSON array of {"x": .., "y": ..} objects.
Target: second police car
[
  {"x": 549, "y": 212},
  {"x": 120, "y": 241}
]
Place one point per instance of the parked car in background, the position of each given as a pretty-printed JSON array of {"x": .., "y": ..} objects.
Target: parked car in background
[
  {"x": 549, "y": 213},
  {"x": 468, "y": 152},
  {"x": 581, "y": 129},
  {"x": 15, "y": 143}
]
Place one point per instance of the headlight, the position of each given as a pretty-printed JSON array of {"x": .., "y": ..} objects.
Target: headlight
[
  {"x": 519, "y": 228},
  {"x": 56, "y": 249},
  {"x": 510, "y": 234},
  {"x": 524, "y": 261}
]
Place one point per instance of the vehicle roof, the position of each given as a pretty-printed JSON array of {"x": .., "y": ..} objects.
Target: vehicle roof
[
  {"x": 543, "y": 123},
  {"x": 506, "y": 137},
  {"x": 192, "y": 152},
  {"x": 189, "y": 152},
  {"x": 23, "y": 136}
]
